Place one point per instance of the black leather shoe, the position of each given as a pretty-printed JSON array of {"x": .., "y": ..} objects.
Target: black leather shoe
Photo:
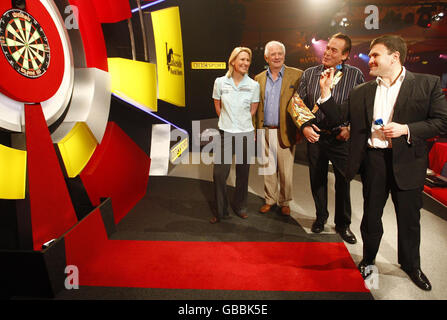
[
  {"x": 365, "y": 268},
  {"x": 419, "y": 279},
  {"x": 347, "y": 235},
  {"x": 318, "y": 226}
]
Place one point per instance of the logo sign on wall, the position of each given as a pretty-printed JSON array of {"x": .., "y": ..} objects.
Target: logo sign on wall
[
  {"x": 24, "y": 43},
  {"x": 196, "y": 65},
  {"x": 169, "y": 48}
]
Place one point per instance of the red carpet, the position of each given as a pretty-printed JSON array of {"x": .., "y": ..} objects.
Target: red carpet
[{"x": 269, "y": 266}]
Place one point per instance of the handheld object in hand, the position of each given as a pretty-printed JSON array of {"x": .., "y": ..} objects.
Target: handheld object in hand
[{"x": 378, "y": 122}]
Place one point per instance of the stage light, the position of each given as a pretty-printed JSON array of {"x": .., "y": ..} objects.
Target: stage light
[
  {"x": 438, "y": 17},
  {"x": 344, "y": 22},
  {"x": 443, "y": 56},
  {"x": 364, "y": 57}
]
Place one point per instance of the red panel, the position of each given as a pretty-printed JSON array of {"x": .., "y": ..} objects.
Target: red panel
[
  {"x": 440, "y": 194},
  {"x": 13, "y": 84},
  {"x": 438, "y": 157},
  {"x": 118, "y": 169},
  {"x": 89, "y": 233},
  {"x": 111, "y": 11},
  {"x": 92, "y": 36},
  {"x": 52, "y": 212}
]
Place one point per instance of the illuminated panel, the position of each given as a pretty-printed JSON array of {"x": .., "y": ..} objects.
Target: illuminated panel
[
  {"x": 135, "y": 81},
  {"x": 169, "y": 49},
  {"x": 12, "y": 173},
  {"x": 179, "y": 149},
  {"x": 76, "y": 148}
]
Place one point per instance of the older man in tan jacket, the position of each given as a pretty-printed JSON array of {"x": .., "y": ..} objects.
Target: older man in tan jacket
[{"x": 278, "y": 84}]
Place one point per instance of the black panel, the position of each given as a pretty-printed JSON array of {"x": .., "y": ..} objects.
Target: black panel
[
  {"x": 8, "y": 225},
  {"x": 107, "y": 216},
  {"x": 24, "y": 273},
  {"x": 79, "y": 197},
  {"x": 55, "y": 262},
  {"x": 134, "y": 122}
]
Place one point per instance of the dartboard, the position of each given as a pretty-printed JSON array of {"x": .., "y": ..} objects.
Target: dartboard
[{"x": 24, "y": 43}]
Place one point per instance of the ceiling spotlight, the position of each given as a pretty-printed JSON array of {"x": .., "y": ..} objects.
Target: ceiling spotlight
[
  {"x": 344, "y": 22},
  {"x": 438, "y": 17},
  {"x": 364, "y": 57}
]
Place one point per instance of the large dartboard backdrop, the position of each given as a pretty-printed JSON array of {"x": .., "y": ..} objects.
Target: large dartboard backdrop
[
  {"x": 65, "y": 71},
  {"x": 53, "y": 77},
  {"x": 24, "y": 43}
]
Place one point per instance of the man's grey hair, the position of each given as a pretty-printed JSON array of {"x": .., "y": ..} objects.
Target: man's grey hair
[{"x": 272, "y": 43}]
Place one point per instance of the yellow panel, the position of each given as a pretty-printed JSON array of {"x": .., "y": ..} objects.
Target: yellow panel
[
  {"x": 12, "y": 173},
  {"x": 135, "y": 81},
  {"x": 169, "y": 48},
  {"x": 76, "y": 148}
]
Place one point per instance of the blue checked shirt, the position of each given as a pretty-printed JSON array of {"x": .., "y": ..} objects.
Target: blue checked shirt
[{"x": 271, "y": 99}]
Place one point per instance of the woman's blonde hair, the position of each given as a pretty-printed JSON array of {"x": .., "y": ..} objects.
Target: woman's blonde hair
[{"x": 233, "y": 57}]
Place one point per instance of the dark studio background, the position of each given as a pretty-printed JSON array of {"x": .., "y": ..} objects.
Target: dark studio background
[{"x": 212, "y": 28}]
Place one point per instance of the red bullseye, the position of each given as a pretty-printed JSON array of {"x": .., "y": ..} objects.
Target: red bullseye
[{"x": 32, "y": 57}]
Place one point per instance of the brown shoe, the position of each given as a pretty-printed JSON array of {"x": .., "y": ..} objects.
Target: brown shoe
[
  {"x": 285, "y": 211},
  {"x": 242, "y": 215},
  {"x": 265, "y": 208},
  {"x": 214, "y": 220}
]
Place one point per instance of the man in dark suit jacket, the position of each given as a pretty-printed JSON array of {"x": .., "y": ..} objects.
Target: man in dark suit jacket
[{"x": 391, "y": 118}]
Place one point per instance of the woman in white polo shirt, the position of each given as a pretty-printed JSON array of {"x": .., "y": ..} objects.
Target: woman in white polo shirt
[{"x": 236, "y": 98}]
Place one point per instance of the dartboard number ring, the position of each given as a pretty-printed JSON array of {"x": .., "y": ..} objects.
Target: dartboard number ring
[{"x": 24, "y": 43}]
